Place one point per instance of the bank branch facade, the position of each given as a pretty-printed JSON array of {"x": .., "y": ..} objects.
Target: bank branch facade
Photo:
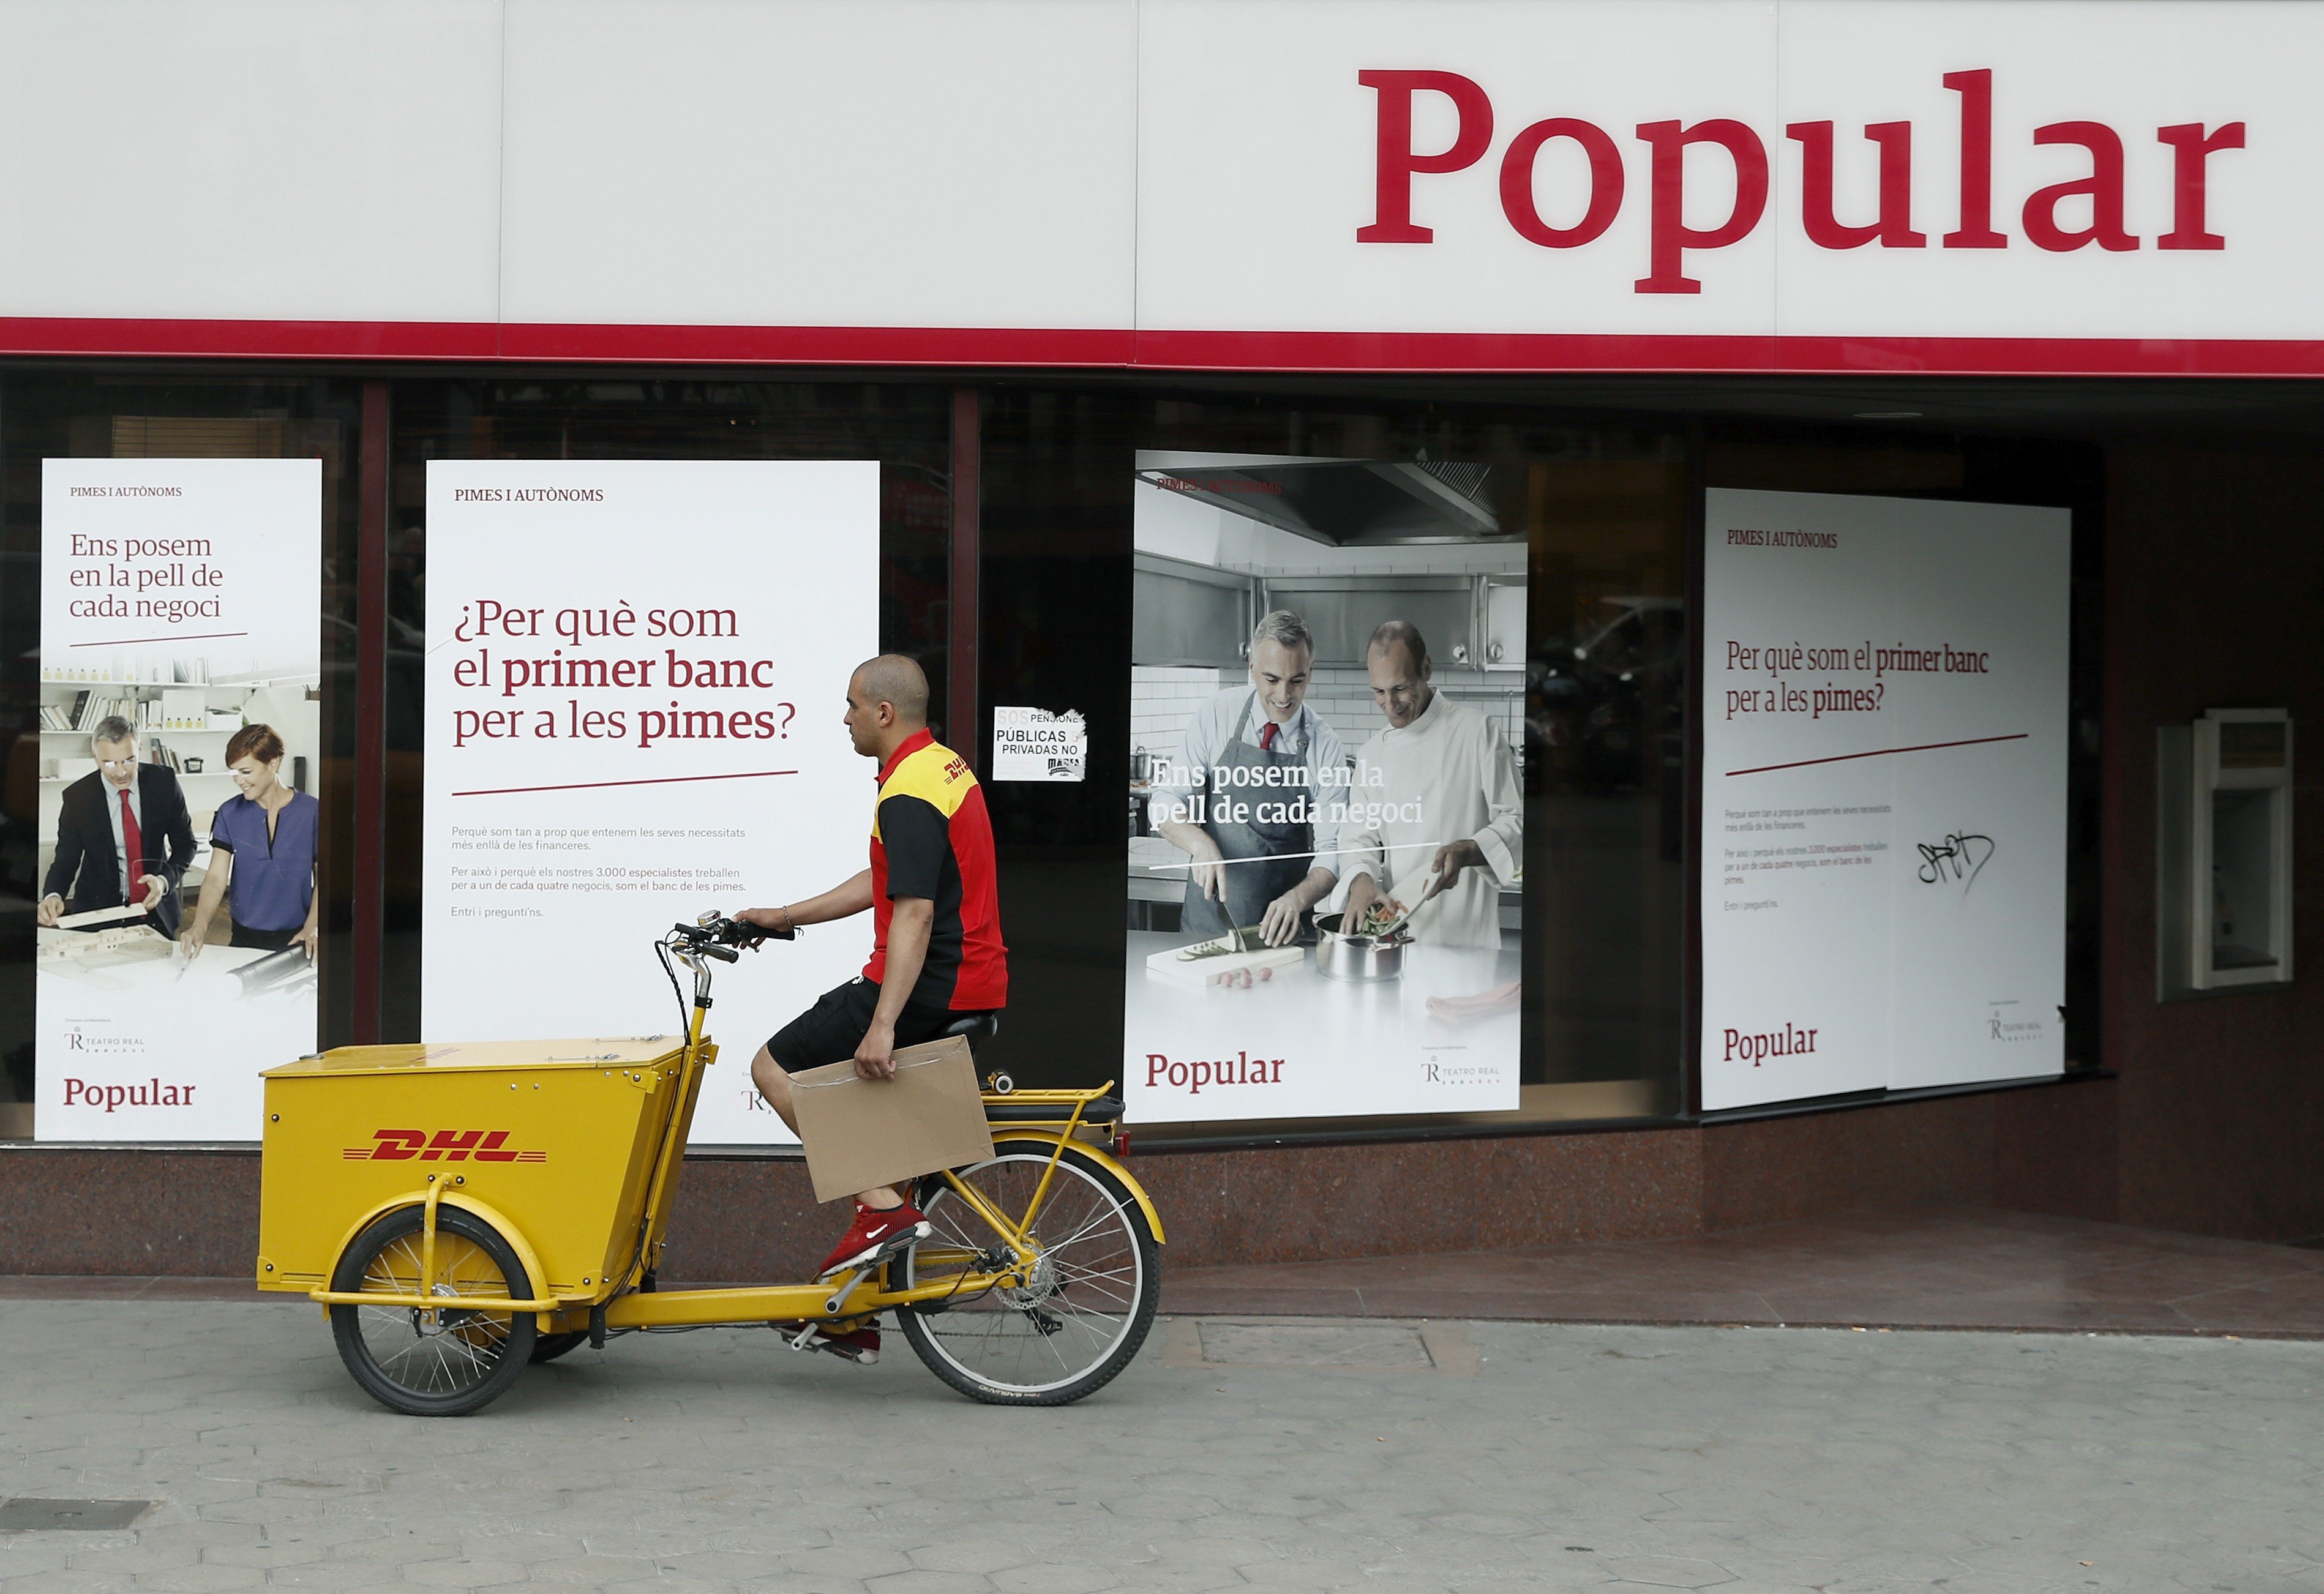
[{"x": 1767, "y": 544}]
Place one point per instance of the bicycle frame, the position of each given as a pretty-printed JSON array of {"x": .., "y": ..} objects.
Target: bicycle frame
[{"x": 629, "y": 1301}]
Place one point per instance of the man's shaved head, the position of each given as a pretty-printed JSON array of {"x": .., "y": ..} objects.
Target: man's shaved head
[{"x": 897, "y": 681}]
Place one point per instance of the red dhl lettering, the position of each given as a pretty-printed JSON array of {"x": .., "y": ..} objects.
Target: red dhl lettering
[{"x": 443, "y": 1146}]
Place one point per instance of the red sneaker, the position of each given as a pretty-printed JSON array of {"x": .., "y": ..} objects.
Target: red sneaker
[
  {"x": 861, "y": 1346},
  {"x": 877, "y": 1234}
]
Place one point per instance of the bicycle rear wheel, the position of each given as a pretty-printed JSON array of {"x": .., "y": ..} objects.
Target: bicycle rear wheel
[
  {"x": 1081, "y": 1317},
  {"x": 444, "y": 1362}
]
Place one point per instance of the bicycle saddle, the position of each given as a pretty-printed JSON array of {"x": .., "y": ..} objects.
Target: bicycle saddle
[{"x": 976, "y": 1028}]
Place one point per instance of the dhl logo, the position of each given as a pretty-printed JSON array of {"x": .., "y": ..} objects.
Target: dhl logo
[{"x": 445, "y": 1146}]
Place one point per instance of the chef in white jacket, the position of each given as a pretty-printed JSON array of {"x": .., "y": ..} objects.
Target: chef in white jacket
[{"x": 1435, "y": 796}]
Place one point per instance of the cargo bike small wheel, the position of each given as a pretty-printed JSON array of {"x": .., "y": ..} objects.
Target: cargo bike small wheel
[
  {"x": 443, "y": 1361},
  {"x": 1080, "y": 1318}
]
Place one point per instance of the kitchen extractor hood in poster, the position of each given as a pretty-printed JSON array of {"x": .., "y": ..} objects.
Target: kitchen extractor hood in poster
[
  {"x": 636, "y": 674},
  {"x": 1324, "y": 874},
  {"x": 1883, "y": 807},
  {"x": 180, "y": 693}
]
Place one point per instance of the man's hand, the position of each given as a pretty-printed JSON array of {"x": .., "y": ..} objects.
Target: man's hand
[
  {"x": 1279, "y": 925},
  {"x": 190, "y": 937},
  {"x": 156, "y": 888},
  {"x": 1210, "y": 874},
  {"x": 1453, "y": 857},
  {"x": 1361, "y": 894},
  {"x": 309, "y": 937},
  {"x": 876, "y": 1057},
  {"x": 51, "y": 909},
  {"x": 766, "y": 919}
]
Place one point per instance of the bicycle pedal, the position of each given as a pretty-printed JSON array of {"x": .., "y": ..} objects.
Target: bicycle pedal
[{"x": 854, "y": 1356}]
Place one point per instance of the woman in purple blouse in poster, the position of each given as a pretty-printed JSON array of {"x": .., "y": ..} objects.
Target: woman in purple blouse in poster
[{"x": 262, "y": 853}]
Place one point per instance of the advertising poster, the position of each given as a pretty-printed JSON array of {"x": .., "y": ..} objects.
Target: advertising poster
[
  {"x": 1326, "y": 703},
  {"x": 636, "y": 675},
  {"x": 1884, "y": 809},
  {"x": 179, "y": 704}
]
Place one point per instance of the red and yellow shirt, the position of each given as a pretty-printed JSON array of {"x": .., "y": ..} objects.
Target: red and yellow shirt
[{"x": 931, "y": 837}]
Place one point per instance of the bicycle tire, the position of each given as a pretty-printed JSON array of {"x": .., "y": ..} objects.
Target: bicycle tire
[
  {"x": 1115, "y": 1219},
  {"x": 464, "y": 1360},
  {"x": 549, "y": 1347}
]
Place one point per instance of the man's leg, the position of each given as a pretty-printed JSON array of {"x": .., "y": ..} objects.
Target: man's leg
[{"x": 775, "y": 1085}]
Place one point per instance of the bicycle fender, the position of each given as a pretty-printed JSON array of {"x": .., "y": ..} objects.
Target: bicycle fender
[
  {"x": 1103, "y": 1159},
  {"x": 449, "y": 1198}
]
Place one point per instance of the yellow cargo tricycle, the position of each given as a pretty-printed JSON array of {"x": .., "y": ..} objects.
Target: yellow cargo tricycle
[{"x": 462, "y": 1211}]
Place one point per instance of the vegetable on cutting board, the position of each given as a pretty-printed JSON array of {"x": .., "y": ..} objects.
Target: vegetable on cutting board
[
  {"x": 1241, "y": 938},
  {"x": 1239, "y": 960}
]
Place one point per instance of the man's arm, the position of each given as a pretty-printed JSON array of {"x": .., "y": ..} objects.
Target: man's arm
[
  {"x": 1172, "y": 802},
  {"x": 918, "y": 838},
  {"x": 63, "y": 867},
  {"x": 907, "y": 949},
  {"x": 851, "y": 896},
  {"x": 1363, "y": 854},
  {"x": 1498, "y": 846},
  {"x": 1502, "y": 839},
  {"x": 181, "y": 837}
]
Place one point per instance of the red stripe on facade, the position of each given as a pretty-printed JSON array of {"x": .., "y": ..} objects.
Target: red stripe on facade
[
  {"x": 1120, "y": 349},
  {"x": 1452, "y": 352},
  {"x": 303, "y": 340},
  {"x": 819, "y": 346}
]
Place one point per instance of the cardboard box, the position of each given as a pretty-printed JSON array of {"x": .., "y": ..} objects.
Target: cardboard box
[{"x": 863, "y": 1133}]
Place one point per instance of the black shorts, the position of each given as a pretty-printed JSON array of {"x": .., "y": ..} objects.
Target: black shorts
[{"x": 830, "y": 1030}]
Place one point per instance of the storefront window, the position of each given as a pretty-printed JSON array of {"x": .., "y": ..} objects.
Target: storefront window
[
  {"x": 1470, "y": 626},
  {"x": 1448, "y": 892},
  {"x": 184, "y": 687}
]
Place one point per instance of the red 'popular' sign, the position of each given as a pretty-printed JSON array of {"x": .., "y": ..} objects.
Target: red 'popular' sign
[{"x": 1669, "y": 237}]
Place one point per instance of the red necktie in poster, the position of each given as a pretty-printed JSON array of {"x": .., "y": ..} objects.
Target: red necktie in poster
[
  {"x": 1266, "y": 736},
  {"x": 133, "y": 849}
]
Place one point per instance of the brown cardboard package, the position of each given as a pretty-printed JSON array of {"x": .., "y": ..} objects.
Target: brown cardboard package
[{"x": 863, "y": 1133}]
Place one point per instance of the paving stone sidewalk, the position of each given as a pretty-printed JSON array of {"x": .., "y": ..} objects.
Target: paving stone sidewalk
[{"x": 1268, "y": 1453}]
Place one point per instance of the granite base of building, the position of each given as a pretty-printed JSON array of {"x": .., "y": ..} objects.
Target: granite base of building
[{"x": 2052, "y": 1149}]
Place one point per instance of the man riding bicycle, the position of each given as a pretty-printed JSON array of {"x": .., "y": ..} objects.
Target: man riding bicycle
[{"x": 937, "y": 954}]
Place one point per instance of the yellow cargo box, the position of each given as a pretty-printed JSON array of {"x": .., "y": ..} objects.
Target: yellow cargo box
[{"x": 551, "y": 1142}]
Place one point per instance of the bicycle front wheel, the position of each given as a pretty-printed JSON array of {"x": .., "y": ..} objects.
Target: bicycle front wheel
[
  {"x": 1071, "y": 1327},
  {"x": 445, "y": 1362}
]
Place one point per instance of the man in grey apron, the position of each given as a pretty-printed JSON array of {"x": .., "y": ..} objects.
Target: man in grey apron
[{"x": 1259, "y": 777}]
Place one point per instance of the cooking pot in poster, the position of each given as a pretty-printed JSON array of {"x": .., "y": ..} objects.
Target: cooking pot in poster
[{"x": 1357, "y": 957}]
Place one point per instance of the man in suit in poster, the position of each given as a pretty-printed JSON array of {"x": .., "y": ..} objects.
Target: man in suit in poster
[{"x": 122, "y": 835}]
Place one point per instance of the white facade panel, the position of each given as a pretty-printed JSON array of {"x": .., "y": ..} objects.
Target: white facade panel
[
  {"x": 251, "y": 159},
  {"x": 810, "y": 162},
  {"x": 1162, "y": 166}
]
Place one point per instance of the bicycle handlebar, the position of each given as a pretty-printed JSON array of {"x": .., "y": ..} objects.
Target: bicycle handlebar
[
  {"x": 714, "y": 933},
  {"x": 712, "y": 937}
]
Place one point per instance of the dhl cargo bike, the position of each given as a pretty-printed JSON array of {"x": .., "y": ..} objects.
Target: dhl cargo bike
[{"x": 460, "y": 1211}]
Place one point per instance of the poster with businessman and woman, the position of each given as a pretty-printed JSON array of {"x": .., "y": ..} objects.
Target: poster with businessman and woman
[{"x": 177, "y": 921}]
